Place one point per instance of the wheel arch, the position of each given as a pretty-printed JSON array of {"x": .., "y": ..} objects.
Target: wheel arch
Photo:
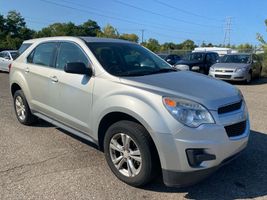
[{"x": 113, "y": 117}]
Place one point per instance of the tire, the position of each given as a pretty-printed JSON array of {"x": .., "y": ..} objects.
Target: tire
[
  {"x": 22, "y": 109},
  {"x": 249, "y": 78},
  {"x": 145, "y": 167}
]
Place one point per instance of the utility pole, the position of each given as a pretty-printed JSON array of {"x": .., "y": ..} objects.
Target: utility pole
[
  {"x": 142, "y": 30},
  {"x": 227, "y": 31}
]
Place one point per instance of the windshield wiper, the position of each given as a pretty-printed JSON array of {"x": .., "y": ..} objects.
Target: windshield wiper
[{"x": 164, "y": 70}]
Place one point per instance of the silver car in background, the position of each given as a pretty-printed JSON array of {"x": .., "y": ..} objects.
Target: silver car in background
[
  {"x": 6, "y": 58},
  {"x": 145, "y": 116},
  {"x": 237, "y": 67}
]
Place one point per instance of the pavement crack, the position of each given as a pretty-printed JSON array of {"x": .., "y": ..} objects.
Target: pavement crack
[{"x": 31, "y": 164}]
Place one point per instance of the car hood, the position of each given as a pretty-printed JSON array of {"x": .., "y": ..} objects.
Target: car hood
[
  {"x": 230, "y": 65},
  {"x": 206, "y": 90},
  {"x": 188, "y": 62}
]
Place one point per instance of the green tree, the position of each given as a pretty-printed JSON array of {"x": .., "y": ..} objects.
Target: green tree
[
  {"x": 109, "y": 32},
  {"x": 89, "y": 28},
  {"x": 264, "y": 46},
  {"x": 130, "y": 37},
  {"x": 58, "y": 29},
  {"x": 13, "y": 30},
  {"x": 188, "y": 45},
  {"x": 152, "y": 44},
  {"x": 245, "y": 47}
]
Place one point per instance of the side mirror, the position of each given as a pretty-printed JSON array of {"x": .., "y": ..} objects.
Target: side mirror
[
  {"x": 77, "y": 68},
  {"x": 217, "y": 61},
  {"x": 7, "y": 58},
  {"x": 169, "y": 60},
  {"x": 254, "y": 61}
]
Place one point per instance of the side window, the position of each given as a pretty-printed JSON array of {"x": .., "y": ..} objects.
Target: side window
[
  {"x": 6, "y": 56},
  {"x": 69, "y": 52},
  {"x": 43, "y": 54},
  {"x": 209, "y": 58},
  {"x": 2, "y": 55}
]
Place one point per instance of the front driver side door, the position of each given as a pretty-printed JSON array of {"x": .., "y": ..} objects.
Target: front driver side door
[{"x": 72, "y": 98}]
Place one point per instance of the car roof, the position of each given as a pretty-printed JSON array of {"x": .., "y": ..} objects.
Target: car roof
[
  {"x": 86, "y": 39},
  {"x": 204, "y": 52},
  {"x": 98, "y": 39},
  {"x": 245, "y": 54}
]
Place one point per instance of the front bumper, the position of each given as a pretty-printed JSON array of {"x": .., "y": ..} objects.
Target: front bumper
[
  {"x": 231, "y": 76},
  {"x": 212, "y": 139},
  {"x": 184, "y": 179}
]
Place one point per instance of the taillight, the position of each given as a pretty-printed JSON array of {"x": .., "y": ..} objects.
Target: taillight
[{"x": 9, "y": 67}]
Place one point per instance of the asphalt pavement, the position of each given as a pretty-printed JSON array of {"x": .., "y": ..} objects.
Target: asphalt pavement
[{"x": 45, "y": 162}]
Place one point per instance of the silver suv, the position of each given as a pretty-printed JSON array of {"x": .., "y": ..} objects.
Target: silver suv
[{"x": 147, "y": 117}]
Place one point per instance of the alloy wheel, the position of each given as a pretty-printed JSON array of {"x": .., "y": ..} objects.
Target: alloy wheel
[{"x": 125, "y": 155}]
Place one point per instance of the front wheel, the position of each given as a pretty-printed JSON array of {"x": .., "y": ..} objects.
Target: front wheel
[
  {"x": 249, "y": 78},
  {"x": 129, "y": 153}
]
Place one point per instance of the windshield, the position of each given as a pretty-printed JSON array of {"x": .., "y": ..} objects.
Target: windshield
[
  {"x": 127, "y": 59},
  {"x": 235, "y": 59},
  {"x": 23, "y": 48},
  {"x": 14, "y": 55},
  {"x": 163, "y": 56},
  {"x": 194, "y": 57}
]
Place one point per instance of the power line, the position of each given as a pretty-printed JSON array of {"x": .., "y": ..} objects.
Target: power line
[
  {"x": 169, "y": 28},
  {"x": 185, "y": 11},
  {"x": 227, "y": 31},
  {"x": 165, "y": 16},
  {"x": 142, "y": 30},
  {"x": 110, "y": 17}
]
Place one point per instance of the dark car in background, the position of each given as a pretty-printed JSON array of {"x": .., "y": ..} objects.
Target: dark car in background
[
  {"x": 170, "y": 58},
  {"x": 197, "y": 61},
  {"x": 237, "y": 67}
]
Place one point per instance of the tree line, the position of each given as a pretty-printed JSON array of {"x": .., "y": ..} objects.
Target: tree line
[{"x": 13, "y": 31}]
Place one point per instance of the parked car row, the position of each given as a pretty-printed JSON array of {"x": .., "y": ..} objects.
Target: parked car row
[
  {"x": 237, "y": 67},
  {"x": 231, "y": 67},
  {"x": 146, "y": 116}
]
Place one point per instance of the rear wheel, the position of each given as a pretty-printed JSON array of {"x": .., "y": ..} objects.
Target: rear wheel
[
  {"x": 129, "y": 153},
  {"x": 22, "y": 109}
]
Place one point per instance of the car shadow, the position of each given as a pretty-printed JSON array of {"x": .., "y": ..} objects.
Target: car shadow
[
  {"x": 42, "y": 124},
  {"x": 245, "y": 177}
]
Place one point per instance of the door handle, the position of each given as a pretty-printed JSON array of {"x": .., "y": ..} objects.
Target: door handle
[
  {"x": 54, "y": 79},
  {"x": 27, "y": 70}
]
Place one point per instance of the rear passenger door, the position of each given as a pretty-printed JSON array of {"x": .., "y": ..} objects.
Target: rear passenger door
[
  {"x": 72, "y": 97},
  {"x": 37, "y": 72}
]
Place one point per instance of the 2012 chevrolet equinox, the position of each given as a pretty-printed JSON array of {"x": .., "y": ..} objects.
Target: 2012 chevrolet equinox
[{"x": 141, "y": 112}]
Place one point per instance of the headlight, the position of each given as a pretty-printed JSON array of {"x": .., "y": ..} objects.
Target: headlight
[
  {"x": 212, "y": 69},
  {"x": 195, "y": 68},
  {"x": 182, "y": 67},
  {"x": 188, "y": 112},
  {"x": 243, "y": 69}
]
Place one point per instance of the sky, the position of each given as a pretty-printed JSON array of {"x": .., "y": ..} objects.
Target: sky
[{"x": 164, "y": 20}]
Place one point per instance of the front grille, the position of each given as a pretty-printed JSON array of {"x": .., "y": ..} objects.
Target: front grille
[
  {"x": 220, "y": 70},
  {"x": 222, "y": 76},
  {"x": 230, "y": 108},
  {"x": 236, "y": 129}
]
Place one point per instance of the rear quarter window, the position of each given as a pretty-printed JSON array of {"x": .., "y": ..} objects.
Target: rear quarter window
[
  {"x": 24, "y": 47},
  {"x": 43, "y": 54}
]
